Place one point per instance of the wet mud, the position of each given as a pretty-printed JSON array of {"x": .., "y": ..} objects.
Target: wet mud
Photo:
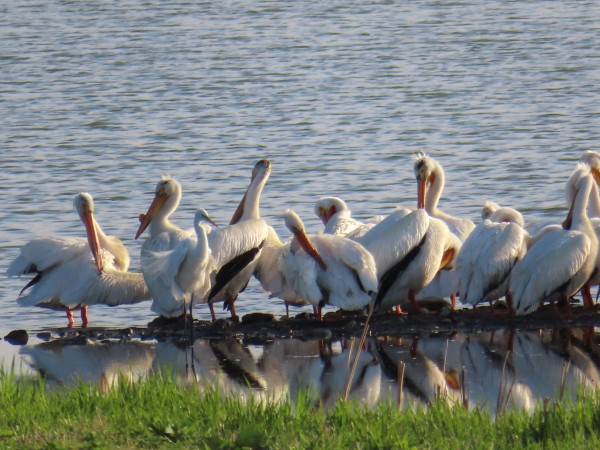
[{"x": 262, "y": 328}]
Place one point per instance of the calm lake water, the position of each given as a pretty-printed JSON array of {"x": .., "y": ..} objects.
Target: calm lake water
[{"x": 106, "y": 97}]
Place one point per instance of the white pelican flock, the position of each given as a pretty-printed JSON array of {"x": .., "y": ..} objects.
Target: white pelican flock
[{"x": 384, "y": 262}]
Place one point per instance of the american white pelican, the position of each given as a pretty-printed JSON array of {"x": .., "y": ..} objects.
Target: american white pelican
[
  {"x": 75, "y": 273},
  {"x": 237, "y": 247},
  {"x": 327, "y": 269},
  {"x": 429, "y": 172},
  {"x": 561, "y": 261},
  {"x": 488, "y": 255},
  {"x": 591, "y": 164},
  {"x": 163, "y": 234},
  {"x": 409, "y": 250},
  {"x": 336, "y": 217},
  {"x": 156, "y": 249},
  {"x": 592, "y": 159},
  {"x": 182, "y": 275}
]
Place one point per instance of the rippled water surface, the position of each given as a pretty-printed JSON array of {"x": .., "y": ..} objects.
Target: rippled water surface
[{"x": 106, "y": 97}]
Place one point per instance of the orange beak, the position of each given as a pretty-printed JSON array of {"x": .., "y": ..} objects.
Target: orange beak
[
  {"x": 309, "y": 248},
  {"x": 327, "y": 214},
  {"x": 237, "y": 215},
  {"x": 421, "y": 190},
  {"x": 596, "y": 175},
  {"x": 569, "y": 220},
  {"x": 92, "y": 237},
  {"x": 145, "y": 219}
]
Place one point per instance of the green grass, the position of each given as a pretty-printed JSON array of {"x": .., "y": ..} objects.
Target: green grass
[{"x": 160, "y": 413}]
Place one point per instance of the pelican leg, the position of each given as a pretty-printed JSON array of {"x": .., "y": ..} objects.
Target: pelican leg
[
  {"x": 212, "y": 311},
  {"x": 192, "y": 304},
  {"x": 231, "y": 307},
  {"x": 586, "y": 293},
  {"x": 70, "y": 318},
  {"x": 287, "y": 309},
  {"x": 509, "y": 302},
  {"x": 317, "y": 310},
  {"x": 453, "y": 299},
  {"x": 84, "y": 316},
  {"x": 413, "y": 301}
]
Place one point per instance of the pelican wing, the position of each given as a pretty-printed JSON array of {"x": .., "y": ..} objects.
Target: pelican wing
[
  {"x": 111, "y": 288},
  {"x": 394, "y": 237},
  {"x": 234, "y": 240},
  {"x": 300, "y": 274},
  {"x": 549, "y": 264},
  {"x": 354, "y": 256},
  {"x": 160, "y": 270},
  {"x": 229, "y": 270},
  {"x": 41, "y": 254}
]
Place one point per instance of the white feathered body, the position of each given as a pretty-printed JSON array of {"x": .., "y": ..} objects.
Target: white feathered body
[
  {"x": 348, "y": 282},
  {"x": 486, "y": 259},
  {"x": 229, "y": 242},
  {"x": 175, "y": 276},
  {"x": 553, "y": 263},
  {"x": 414, "y": 235},
  {"x": 69, "y": 277}
]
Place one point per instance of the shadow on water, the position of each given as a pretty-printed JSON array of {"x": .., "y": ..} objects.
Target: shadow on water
[{"x": 496, "y": 371}]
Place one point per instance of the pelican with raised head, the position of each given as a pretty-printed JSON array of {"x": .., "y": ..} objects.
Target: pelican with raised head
[
  {"x": 74, "y": 273},
  {"x": 237, "y": 247},
  {"x": 430, "y": 175},
  {"x": 562, "y": 261}
]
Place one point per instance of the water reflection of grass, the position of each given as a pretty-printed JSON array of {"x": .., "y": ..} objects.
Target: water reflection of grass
[{"x": 160, "y": 412}]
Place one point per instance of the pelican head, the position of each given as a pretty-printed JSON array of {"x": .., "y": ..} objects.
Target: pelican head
[
  {"x": 261, "y": 169},
  {"x": 488, "y": 209},
  {"x": 165, "y": 189},
  {"x": 424, "y": 169},
  {"x": 84, "y": 205},
  {"x": 295, "y": 225},
  {"x": 592, "y": 159},
  {"x": 260, "y": 175},
  {"x": 326, "y": 207}
]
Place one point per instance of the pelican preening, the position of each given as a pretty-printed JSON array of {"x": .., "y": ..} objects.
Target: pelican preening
[
  {"x": 488, "y": 256},
  {"x": 237, "y": 247},
  {"x": 74, "y": 273},
  {"x": 327, "y": 269},
  {"x": 385, "y": 261},
  {"x": 415, "y": 248},
  {"x": 336, "y": 217}
]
